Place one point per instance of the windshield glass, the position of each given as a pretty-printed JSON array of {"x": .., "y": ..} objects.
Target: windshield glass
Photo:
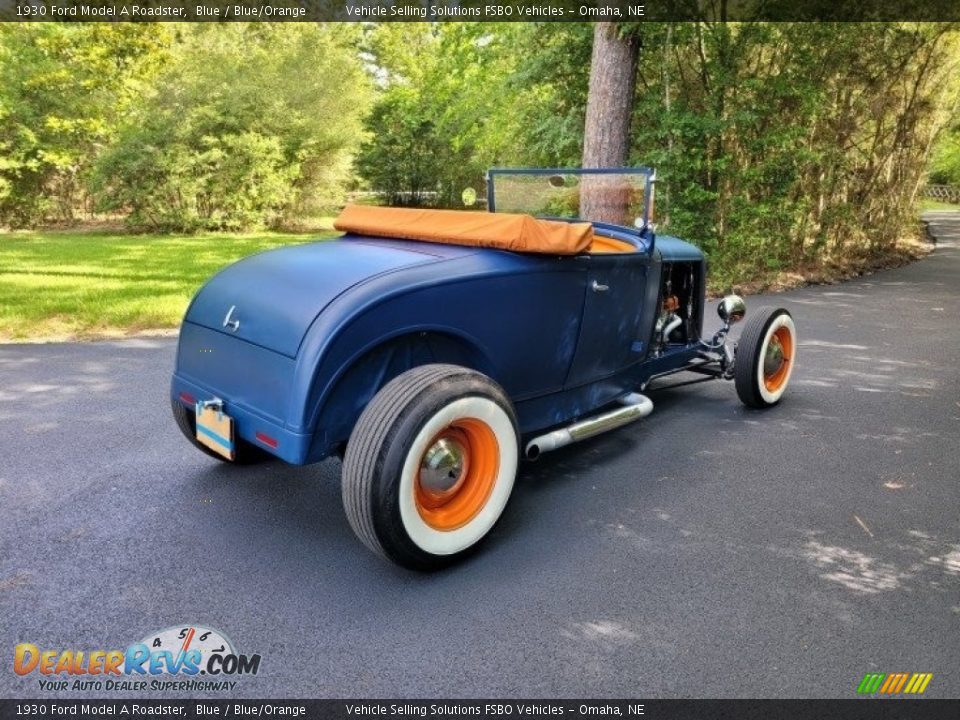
[{"x": 614, "y": 196}]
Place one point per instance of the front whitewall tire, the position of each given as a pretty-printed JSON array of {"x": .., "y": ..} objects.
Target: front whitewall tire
[
  {"x": 759, "y": 383},
  {"x": 772, "y": 397}
]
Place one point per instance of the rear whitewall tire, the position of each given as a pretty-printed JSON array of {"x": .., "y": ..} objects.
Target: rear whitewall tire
[{"x": 417, "y": 514}]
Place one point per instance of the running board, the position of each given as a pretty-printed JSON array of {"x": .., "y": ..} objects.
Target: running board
[{"x": 635, "y": 406}]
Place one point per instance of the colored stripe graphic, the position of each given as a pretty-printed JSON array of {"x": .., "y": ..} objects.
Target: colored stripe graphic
[
  {"x": 891, "y": 679},
  {"x": 900, "y": 682},
  {"x": 871, "y": 683},
  {"x": 894, "y": 683},
  {"x": 219, "y": 439}
]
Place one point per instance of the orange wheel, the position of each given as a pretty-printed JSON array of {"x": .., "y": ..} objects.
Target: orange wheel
[
  {"x": 776, "y": 361},
  {"x": 457, "y": 474}
]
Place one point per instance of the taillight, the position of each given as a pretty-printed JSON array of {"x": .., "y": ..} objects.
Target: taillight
[
  {"x": 267, "y": 440},
  {"x": 188, "y": 398}
]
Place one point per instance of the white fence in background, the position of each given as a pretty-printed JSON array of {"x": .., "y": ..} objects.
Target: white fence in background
[
  {"x": 377, "y": 195},
  {"x": 946, "y": 193}
]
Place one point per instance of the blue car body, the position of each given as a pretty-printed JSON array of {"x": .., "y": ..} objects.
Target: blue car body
[
  {"x": 296, "y": 341},
  {"x": 323, "y": 326}
]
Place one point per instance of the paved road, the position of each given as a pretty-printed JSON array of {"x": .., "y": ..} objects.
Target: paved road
[{"x": 707, "y": 551}]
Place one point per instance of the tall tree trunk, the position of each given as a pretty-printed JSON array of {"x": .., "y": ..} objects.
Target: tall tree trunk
[
  {"x": 667, "y": 106},
  {"x": 606, "y": 135}
]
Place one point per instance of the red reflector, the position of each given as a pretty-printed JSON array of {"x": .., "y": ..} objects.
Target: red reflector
[
  {"x": 266, "y": 440},
  {"x": 188, "y": 398}
]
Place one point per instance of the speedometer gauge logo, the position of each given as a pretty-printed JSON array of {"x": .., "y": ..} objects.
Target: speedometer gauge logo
[
  {"x": 180, "y": 638},
  {"x": 188, "y": 649}
]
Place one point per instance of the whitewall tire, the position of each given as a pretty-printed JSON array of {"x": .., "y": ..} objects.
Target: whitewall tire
[
  {"x": 430, "y": 465},
  {"x": 765, "y": 358}
]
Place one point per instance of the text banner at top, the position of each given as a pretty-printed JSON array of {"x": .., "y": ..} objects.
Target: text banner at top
[{"x": 477, "y": 10}]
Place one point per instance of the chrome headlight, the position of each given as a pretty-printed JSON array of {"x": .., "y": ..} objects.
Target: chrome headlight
[{"x": 732, "y": 309}]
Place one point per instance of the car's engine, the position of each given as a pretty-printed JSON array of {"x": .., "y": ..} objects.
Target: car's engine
[{"x": 675, "y": 316}]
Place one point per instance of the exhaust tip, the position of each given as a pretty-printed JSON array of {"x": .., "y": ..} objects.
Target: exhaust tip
[{"x": 533, "y": 451}]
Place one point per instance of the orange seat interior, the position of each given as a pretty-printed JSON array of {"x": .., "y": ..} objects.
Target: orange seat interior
[{"x": 605, "y": 246}]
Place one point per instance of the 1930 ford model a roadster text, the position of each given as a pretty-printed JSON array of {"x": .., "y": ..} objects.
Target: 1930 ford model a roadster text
[{"x": 432, "y": 349}]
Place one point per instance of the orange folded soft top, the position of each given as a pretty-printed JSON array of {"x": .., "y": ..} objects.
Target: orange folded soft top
[{"x": 505, "y": 231}]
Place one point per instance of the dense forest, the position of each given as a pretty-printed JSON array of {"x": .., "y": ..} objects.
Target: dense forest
[{"x": 777, "y": 144}]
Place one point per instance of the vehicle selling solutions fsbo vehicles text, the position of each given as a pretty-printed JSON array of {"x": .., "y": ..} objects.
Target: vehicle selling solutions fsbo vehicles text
[{"x": 491, "y": 12}]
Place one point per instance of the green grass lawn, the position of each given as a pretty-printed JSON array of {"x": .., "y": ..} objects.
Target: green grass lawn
[
  {"x": 931, "y": 204},
  {"x": 93, "y": 284}
]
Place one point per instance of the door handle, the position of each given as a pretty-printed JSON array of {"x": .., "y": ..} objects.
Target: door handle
[{"x": 598, "y": 287}]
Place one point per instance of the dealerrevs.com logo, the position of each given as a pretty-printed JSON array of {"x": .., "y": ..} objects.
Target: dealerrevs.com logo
[{"x": 184, "y": 657}]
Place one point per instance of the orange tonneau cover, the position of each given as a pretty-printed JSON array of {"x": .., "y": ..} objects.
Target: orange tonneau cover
[{"x": 506, "y": 231}]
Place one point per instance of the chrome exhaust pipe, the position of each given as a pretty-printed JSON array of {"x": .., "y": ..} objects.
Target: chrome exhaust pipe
[
  {"x": 635, "y": 406},
  {"x": 669, "y": 328}
]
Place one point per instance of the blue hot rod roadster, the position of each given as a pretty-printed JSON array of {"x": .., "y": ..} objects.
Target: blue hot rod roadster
[{"x": 433, "y": 349}]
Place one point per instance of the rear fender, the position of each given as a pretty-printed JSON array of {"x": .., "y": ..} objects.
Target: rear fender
[{"x": 337, "y": 405}]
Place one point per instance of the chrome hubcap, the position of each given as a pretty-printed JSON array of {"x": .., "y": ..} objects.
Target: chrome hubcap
[
  {"x": 774, "y": 357},
  {"x": 442, "y": 467}
]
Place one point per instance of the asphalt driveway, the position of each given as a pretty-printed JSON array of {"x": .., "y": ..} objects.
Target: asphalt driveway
[{"x": 707, "y": 551}]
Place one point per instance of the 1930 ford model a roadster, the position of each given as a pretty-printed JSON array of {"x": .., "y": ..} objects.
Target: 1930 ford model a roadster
[{"x": 432, "y": 349}]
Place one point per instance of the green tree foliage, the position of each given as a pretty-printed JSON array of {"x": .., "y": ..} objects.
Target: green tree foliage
[
  {"x": 786, "y": 144},
  {"x": 945, "y": 164},
  {"x": 458, "y": 98},
  {"x": 63, "y": 89},
  {"x": 547, "y": 93},
  {"x": 404, "y": 157},
  {"x": 244, "y": 125},
  {"x": 777, "y": 145},
  {"x": 443, "y": 114}
]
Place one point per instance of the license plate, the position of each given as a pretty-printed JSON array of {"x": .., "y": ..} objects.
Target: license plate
[{"x": 215, "y": 430}]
